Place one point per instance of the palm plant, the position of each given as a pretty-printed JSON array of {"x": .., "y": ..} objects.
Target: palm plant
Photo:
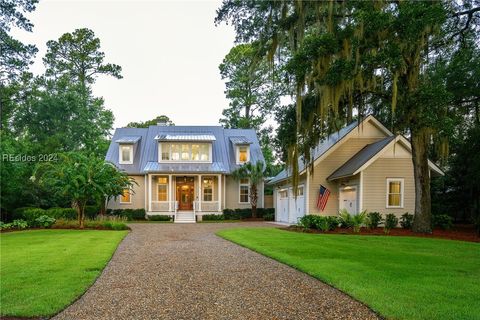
[{"x": 254, "y": 173}]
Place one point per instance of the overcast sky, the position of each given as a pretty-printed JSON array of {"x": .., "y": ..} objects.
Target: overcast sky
[{"x": 169, "y": 52}]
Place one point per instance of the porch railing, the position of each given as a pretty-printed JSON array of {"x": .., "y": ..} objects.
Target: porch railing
[{"x": 165, "y": 206}]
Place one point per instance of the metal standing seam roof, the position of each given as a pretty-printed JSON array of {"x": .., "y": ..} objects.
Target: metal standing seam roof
[
  {"x": 318, "y": 151},
  {"x": 185, "y": 137},
  {"x": 128, "y": 139},
  {"x": 360, "y": 158},
  {"x": 240, "y": 140},
  {"x": 146, "y": 152}
]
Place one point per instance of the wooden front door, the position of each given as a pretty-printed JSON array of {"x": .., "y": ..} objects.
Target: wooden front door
[{"x": 185, "y": 193}]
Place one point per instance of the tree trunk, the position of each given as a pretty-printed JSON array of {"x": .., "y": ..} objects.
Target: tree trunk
[
  {"x": 103, "y": 206},
  {"x": 423, "y": 211},
  {"x": 253, "y": 199},
  {"x": 80, "y": 208}
]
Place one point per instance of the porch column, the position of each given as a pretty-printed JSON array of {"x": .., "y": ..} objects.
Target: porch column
[
  {"x": 149, "y": 193},
  {"x": 170, "y": 183},
  {"x": 219, "y": 192},
  {"x": 200, "y": 192}
]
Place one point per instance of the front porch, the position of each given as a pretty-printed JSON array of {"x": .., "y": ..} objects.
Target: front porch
[{"x": 184, "y": 195}]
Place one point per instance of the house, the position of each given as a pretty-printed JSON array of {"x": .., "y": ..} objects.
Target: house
[
  {"x": 184, "y": 171},
  {"x": 363, "y": 166}
]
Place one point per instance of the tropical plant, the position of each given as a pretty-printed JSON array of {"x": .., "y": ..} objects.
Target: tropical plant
[
  {"x": 373, "y": 220},
  {"x": 82, "y": 178},
  {"x": 391, "y": 222},
  {"x": 406, "y": 220},
  {"x": 255, "y": 174},
  {"x": 345, "y": 219},
  {"x": 358, "y": 220}
]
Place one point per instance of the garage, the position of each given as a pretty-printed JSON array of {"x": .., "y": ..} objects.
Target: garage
[{"x": 289, "y": 209}]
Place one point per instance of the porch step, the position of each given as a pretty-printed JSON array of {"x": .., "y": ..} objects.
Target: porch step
[{"x": 185, "y": 217}]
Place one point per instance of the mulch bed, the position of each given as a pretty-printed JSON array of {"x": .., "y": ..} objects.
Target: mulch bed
[{"x": 458, "y": 232}]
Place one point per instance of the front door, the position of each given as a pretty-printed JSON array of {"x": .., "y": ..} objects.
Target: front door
[
  {"x": 185, "y": 193},
  {"x": 348, "y": 199}
]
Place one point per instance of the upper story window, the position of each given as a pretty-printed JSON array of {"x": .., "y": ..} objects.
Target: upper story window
[
  {"x": 185, "y": 152},
  {"x": 243, "y": 154},
  {"x": 395, "y": 193},
  {"x": 125, "y": 154}
]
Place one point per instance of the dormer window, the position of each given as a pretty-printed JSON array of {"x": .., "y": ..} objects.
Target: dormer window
[
  {"x": 185, "y": 152},
  {"x": 126, "y": 154},
  {"x": 243, "y": 154}
]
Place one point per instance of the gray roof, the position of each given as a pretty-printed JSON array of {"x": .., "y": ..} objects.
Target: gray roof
[
  {"x": 146, "y": 152},
  {"x": 360, "y": 158},
  {"x": 240, "y": 140},
  {"x": 318, "y": 151},
  {"x": 128, "y": 139},
  {"x": 185, "y": 137}
]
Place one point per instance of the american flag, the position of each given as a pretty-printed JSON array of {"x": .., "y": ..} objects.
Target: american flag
[{"x": 322, "y": 198}]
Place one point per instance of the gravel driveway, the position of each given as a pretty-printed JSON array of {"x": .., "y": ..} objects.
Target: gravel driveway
[{"x": 172, "y": 271}]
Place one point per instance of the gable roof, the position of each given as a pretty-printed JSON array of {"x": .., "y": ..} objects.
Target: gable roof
[
  {"x": 146, "y": 151},
  {"x": 350, "y": 167},
  {"x": 359, "y": 160}
]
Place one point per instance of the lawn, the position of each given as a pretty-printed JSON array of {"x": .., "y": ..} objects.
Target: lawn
[
  {"x": 399, "y": 277},
  {"x": 43, "y": 271}
]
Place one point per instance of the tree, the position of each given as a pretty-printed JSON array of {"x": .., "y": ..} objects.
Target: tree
[
  {"x": 82, "y": 178},
  {"x": 77, "y": 55},
  {"x": 160, "y": 119},
  {"x": 249, "y": 87},
  {"x": 15, "y": 57},
  {"x": 347, "y": 55},
  {"x": 255, "y": 174}
]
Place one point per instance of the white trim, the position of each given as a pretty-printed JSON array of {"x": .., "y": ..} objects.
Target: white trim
[
  {"x": 237, "y": 154},
  {"x": 170, "y": 198},
  {"x": 145, "y": 194},
  {"x": 402, "y": 194},
  {"x": 219, "y": 197},
  {"x": 120, "y": 153},
  {"x": 307, "y": 195},
  {"x": 149, "y": 193},
  {"x": 240, "y": 184},
  {"x": 360, "y": 193}
]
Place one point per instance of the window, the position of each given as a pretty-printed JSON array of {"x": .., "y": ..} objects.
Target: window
[
  {"x": 126, "y": 154},
  {"x": 300, "y": 191},
  {"x": 162, "y": 189},
  {"x": 243, "y": 154},
  {"x": 244, "y": 191},
  {"x": 126, "y": 196},
  {"x": 283, "y": 194},
  {"x": 166, "y": 152},
  {"x": 208, "y": 189},
  {"x": 394, "y": 193},
  {"x": 185, "y": 152}
]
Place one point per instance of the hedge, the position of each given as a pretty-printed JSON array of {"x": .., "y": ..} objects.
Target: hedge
[
  {"x": 237, "y": 214},
  {"x": 130, "y": 214}
]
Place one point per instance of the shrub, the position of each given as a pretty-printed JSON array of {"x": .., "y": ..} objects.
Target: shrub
[
  {"x": 138, "y": 214},
  {"x": 244, "y": 213},
  {"x": 391, "y": 222},
  {"x": 31, "y": 214},
  {"x": 442, "y": 221},
  {"x": 230, "y": 214},
  {"x": 65, "y": 224},
  {"x": 18, "y": 212},
  {"x": 307, "y": 221},
  {"x": 269, "y": 216},
  {"x": 406, "y": 220},
  {"x": 159, "y": 217},
  {"x": 358, "y": 220},
  {"x": 129, "y": 214},
  {"x": 373, "y": 220},
  {"x": 44, "y": 221},
  {"x": 321, "y": 223},
  {"x": 61, "y": 213},
  {"x": 91, "y": 212},
  {"x": 5, "y": 226},
  {"x": 213, "y": 217},
  {"x": 332, "y": 222},
  {"x": 345, "y": 219},
  {"x": 19, "y": 224}
]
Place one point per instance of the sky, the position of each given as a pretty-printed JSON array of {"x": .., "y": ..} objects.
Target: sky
[{"x": 169, "y": 52}]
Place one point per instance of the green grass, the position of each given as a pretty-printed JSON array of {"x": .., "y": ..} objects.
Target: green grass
[
  {"x": 43, "y": 271},
  {"x": 399, "y": 277}
]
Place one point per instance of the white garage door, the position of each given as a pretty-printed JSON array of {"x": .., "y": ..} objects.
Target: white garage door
[
  {"x": 297, "y": 206},
  {"x": 289, "y": 209},
  {"x": 282, "y": 205}
]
